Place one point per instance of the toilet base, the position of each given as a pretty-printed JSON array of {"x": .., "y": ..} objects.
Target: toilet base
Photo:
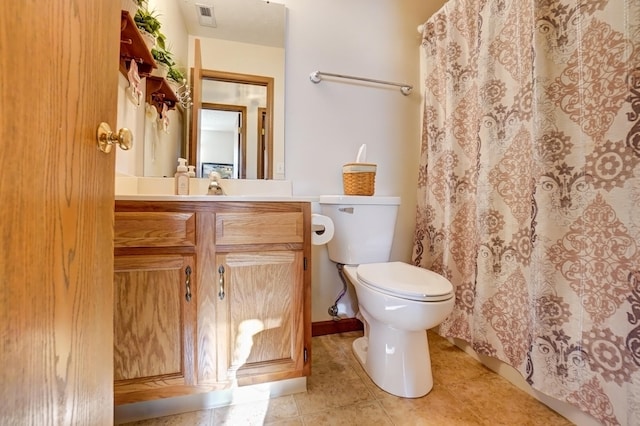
[
  {"x": 397, "y": 361},
  {"x": 360, "y": 346}
]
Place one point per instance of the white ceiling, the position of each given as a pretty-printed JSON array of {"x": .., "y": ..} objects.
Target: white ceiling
[{"x": 247, "y": 21}]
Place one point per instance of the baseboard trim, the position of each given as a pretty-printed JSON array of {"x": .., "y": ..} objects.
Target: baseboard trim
[
  {"x": 143, "y": 410},
  {"x": 321, "y": 328}
]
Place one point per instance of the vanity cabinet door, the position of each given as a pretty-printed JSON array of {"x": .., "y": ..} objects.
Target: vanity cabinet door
[
  {"x": 154, "y": 317},
  {"x": 260, "y": 317}
]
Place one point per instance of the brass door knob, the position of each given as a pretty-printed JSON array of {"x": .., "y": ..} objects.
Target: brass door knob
[{"x": 106, "y": 138}]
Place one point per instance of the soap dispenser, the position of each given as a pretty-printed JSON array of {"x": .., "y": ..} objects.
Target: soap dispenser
[
  {"x": 192, "y": 171},
  {"x": 182, "y": 178}
]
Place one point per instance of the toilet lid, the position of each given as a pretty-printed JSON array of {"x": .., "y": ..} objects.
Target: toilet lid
[{"x": 406, "y": 281}]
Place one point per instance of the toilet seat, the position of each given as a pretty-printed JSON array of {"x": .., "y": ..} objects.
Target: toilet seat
[{"x": 410, "y": 282}]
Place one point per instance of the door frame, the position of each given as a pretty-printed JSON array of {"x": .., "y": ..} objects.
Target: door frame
[{"x": 241, "y": 144}]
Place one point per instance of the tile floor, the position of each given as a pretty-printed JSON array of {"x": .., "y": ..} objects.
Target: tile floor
[{"x": 340, "y": 393}]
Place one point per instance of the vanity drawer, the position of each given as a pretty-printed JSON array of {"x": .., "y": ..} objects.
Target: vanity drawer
[
  {"x": 154, "y": 229},
  {"x": 259, "y": 228}
]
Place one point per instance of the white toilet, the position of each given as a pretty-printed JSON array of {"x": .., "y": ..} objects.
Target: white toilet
[{"x": 397, "y": 301}]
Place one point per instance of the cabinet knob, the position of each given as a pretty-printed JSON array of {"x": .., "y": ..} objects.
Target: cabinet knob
[{"x": 106, "y": 138}]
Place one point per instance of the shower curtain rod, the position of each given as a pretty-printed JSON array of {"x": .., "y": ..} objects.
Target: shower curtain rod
[{"x": 316, "y": 77}]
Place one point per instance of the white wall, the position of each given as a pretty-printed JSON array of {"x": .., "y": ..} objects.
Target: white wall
[
  {"x": 154, "y": 152},
  {"x": 130, "y": 116},
  {"x": 327, "y": 122},
  {"x": 162, "y": 148}
]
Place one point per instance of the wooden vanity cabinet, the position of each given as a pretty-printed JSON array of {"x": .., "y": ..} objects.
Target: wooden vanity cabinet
[
  {"x": 249, "y": 318},
  {"x": 154, "y": 305}
]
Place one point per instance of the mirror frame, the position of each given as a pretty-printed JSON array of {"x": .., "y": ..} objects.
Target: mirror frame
[{"x": 198, "y": 75}]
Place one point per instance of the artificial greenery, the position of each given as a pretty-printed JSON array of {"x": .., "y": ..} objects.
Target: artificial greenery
[
  {"x": 162, "y": 56},
  {"x": 161, "y": 41},
  {"x": 148, "y": 21},
  {"x": 175, "y": 75}
]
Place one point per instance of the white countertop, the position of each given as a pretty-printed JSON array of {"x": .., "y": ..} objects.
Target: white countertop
[
  {"x": 131, "y": 188},
  {"x": 213, "y": 198}
]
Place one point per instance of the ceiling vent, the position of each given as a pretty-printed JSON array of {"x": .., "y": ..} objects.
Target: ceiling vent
[{"x": 205, "y": 15}]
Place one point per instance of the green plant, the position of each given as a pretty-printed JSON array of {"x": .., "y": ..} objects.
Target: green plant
[
  {"x": 161, "y": 40},
  {"x": 175, "y": 75},
  {"x": 148, "y": 21},
  {"x": 162, "y": 56}
]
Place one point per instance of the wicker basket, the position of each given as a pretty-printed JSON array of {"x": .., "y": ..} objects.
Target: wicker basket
[{"x": 359, "y": 178}]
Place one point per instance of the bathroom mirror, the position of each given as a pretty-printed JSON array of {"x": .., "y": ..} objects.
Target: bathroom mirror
[{"x": 240, "y": 43}]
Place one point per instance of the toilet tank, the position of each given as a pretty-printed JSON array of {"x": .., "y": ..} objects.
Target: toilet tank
[{"x": 364, "y": 227}]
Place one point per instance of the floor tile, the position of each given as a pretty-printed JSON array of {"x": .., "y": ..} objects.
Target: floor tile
[
  {"x": 276, "y": 411},
  {"x": 363, "y": 413},
  {"x": 339, "y": 392},
  {"x": 330, "y": 391},
  {"x": 329, "y": 359},
  {"x": 439, "y": 407},
  {"x": 498, "y": 402},
  {"x": 195, "y": 418}
]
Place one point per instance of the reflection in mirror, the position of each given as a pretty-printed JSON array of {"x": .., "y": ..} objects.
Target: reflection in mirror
[
  {"x": 222, "y": 132},
  {"x": 234, "y": 132},
  {"x": 250, "y": 96},
  {"x": 248, "y": 39}
]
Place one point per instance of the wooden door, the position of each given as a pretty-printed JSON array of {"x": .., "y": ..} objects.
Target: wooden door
[
  {"x": 59, "y": 62},
  {"x": 262, "y": 154},
  {"x": 207, "y": 111}
]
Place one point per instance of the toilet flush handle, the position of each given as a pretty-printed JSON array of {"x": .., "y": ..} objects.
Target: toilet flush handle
[{"x": 346, "y": 210}]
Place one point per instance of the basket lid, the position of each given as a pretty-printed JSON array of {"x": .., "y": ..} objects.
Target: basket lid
[
  {"x": 358, "y": 199},
  {"x": 359, "y": 167}
]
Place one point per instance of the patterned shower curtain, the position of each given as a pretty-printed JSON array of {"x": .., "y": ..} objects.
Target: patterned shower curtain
[{"x": 529, "y": 190}]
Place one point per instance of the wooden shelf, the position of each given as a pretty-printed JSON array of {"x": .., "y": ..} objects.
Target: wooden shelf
[
  {"x": 133, "y": 47},
  {"x": 159, "y": 92}
]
